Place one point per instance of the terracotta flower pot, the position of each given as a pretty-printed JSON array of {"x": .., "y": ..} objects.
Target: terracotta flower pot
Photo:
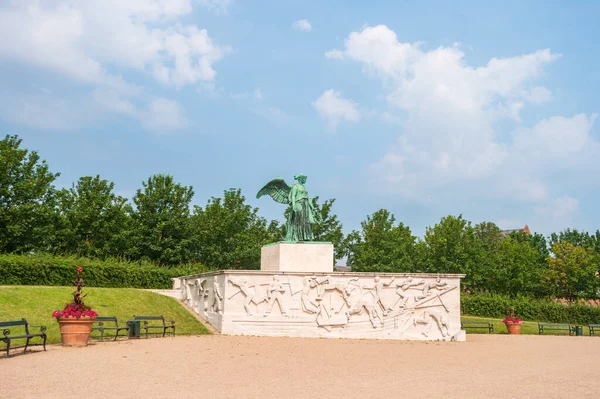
[
  {"x": 513, "y": 328},
  {"x": 75, "y": 332}
]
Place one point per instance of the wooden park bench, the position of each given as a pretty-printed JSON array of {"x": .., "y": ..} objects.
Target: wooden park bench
[
  {"x": 100, "y": 326},
  {"x": 554, "y": 327},
  {"x": 159, "y": 324},
  {"x": 593, "y": 328},
  {"x": 26, "y": 335},
  {"x": 478, "y": 324}
]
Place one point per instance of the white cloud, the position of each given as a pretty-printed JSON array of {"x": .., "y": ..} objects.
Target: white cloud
[
  {"x": 334, "y": 55},
  {"x": 258, "y": 94},
  {"x": 273, "y": 115},
  {"x": 333, "y": 108},
  {"x": 217, "y": 5},
  {"x": 163, "y": 115},
  {"x": 559, "y": 208},
  {"x": 302, "y": 25},
  {"x": 461, "y": 135},
  {"x": 87, "y": 41}
]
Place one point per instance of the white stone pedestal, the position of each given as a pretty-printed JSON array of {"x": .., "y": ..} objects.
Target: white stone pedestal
[
  {"x": 297, "y": 257},
  {"x": 327, "y": 305}
]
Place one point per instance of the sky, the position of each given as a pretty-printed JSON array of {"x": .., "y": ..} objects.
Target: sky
[{"x": 427, "y": 109}]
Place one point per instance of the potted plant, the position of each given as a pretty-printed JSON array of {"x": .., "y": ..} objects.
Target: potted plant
[
  {"x": 512, "y": 322},
  {"x": 76, "y": 319}
]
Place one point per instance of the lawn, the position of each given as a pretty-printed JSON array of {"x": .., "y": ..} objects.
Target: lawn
[
  {"x": 36, "y": 304},
  {"x": 528, "y": 327}
]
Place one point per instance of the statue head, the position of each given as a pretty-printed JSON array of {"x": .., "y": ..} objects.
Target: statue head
[{"x": 300, "y": 178}]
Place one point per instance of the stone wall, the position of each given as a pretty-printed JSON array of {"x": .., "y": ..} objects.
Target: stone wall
[{"x": 335, "y": 305}]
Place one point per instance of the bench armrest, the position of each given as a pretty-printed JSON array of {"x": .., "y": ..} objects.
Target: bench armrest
[{"x": 42, "y": 328}]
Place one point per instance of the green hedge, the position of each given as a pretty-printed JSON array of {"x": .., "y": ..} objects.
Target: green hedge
[
  {"x": 495, "y": 306},
  {"x": 60, "y": 271}
]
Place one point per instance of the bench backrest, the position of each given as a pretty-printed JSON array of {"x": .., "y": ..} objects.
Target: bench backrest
[
  {"x": 149, "y": 318},
  {"x": 105, "y": 319},
  {"x": 16, "y": 323}
]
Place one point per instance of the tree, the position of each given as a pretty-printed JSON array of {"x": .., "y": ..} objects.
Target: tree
[
  {"x": 578, "y": 239},
  {"x": 160, "y": 221},
  {"x": 451, "y": 246},
  {"x": 489, "y": 235},
  {"x": 27, "y": 198},
  {"x": 536, "y": 240},
  {"x": 381, "y": 246},
  {"x": 518, "y": 269},
  {"x": 329, "y": 228},
  {"x": 95, "y": 219},
  {"x": 228, "y": 233},
  {"x": 571, "y": 272}
]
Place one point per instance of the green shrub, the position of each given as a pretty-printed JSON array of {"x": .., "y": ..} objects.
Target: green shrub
[
  {"x": 60, "y": 271},
  {"x": 545, "y": 310}
]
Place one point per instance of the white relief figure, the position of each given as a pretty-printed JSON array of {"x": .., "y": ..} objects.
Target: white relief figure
[
  {"x": 428, "y": 317},
  {"x": 274, "y": 294},
  {"x": 184, "y": 290},
  {"x": 332, "y": 284},
  {"x": 189, "y": 284},
  {"x": 359, "y": 302},
  {"x": 427, "y": 287},
  {"x": 202, "y": 294},
  {"x": 377, "y": 287},
  {"x": 309, "y": 283},
  {"x": 401, "y": 289},
  {"x": 217, "y": 297},
  {"x": 249, "y": 293}
]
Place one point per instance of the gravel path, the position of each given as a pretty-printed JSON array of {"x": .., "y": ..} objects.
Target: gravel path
[{"x": 257, "y": 367}]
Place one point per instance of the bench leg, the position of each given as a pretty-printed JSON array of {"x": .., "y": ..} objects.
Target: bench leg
[
  {"x": 164, "y": 331},
  {"x": 7, "y": 348},
  {"x": 116, "y": 333},
  {"x": 26, "y": 344},
  {"x": 44, "y": 343}
]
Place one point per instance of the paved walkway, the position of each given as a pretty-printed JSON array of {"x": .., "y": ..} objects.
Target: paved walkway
[{"x": 487, "y": 366}]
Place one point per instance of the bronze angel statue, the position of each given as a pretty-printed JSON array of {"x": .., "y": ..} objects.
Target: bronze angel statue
[{"x": 302, "y": 216}]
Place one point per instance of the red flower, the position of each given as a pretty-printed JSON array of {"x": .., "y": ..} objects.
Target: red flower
[{"x": 79, "y": 269}]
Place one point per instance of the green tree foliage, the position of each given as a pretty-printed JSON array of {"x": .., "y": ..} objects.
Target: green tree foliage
[
  {"x": 571, "y": 272},
  {"x": 329, "y": 227},
  {"x": 95, "y": 220},
  {"x": 537, "y": 240},
  {"x": 489, "y": 235},
  {"x": 381, "y": 245},
  {"x": 160, "y": 221},
  {"x": 27, "y": 198},
  {"x": 228, "y": 233},
  {"x": 577, "y": 238},
  {"x": 451, "y": 246},
  {"x": 517, "y": 269}
]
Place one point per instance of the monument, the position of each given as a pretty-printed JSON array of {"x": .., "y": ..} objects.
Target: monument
[{"x": 297, "y": 294}]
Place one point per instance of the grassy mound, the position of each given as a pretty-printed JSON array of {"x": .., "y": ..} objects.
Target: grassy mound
[{"x": 36, "y": 304}]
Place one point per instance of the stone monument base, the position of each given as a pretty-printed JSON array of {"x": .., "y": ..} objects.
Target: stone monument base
[
  {"x": 297, "y": 257},
  {"x": 328, "y": 305}
]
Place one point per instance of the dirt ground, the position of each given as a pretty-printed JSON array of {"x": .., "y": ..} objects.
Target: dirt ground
[{"x": 487, "y": 366}]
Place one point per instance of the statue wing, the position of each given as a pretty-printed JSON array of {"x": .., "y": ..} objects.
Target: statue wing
[{"x": 277, "y": 189}]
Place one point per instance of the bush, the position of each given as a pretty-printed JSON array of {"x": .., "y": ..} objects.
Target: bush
[
  {"x": 545, "y": 310},
  {"x": 60, "y": 271}
]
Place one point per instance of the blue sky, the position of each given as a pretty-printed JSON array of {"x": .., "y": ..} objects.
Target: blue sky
[{"x": 424, "y": 108}]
